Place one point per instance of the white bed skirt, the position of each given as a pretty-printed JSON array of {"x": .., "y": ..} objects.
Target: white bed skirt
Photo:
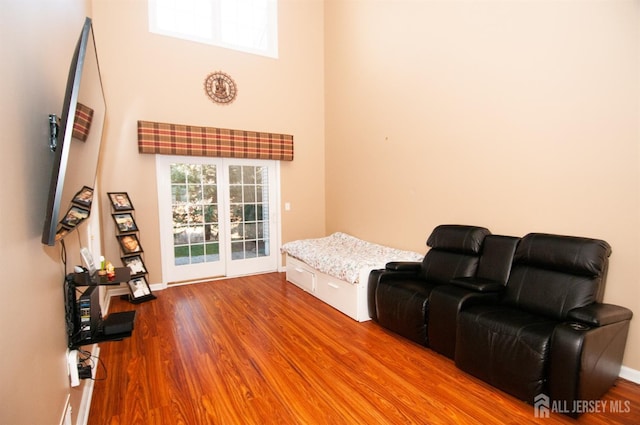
[{"x": 349, "y": 298}]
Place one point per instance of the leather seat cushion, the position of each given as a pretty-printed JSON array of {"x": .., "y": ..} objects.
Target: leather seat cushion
[
  {"x": 506, "y": 347},
  {"x": 402, "y": 308}
]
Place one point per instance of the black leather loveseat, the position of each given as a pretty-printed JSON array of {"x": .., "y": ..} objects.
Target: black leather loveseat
[{"x": 523, "y": 314}]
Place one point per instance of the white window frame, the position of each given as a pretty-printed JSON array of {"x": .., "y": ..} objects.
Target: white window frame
[
  {"x": 219, "y": 23},
  {"x": 226, "y": 267}
]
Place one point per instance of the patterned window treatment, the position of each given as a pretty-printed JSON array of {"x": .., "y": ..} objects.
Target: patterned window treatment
[
  {"x": 176, "y": 139},
  {"x": 82, "y": 122}
]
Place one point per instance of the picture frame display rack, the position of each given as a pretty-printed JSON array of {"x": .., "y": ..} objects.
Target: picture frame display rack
[{"x": 132, "y": 254}]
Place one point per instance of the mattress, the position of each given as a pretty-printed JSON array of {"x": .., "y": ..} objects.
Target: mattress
[{"x": 343, "y": 256}]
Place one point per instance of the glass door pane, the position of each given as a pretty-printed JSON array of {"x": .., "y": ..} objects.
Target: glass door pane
[
  {"x": 194, "y": 198},
  {"x": 251, "y": 221},
  {"x": 249, "y": 206},
  {"x": 190, "y": 220}
]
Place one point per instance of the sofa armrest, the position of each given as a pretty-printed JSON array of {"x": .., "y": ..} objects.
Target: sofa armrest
[
  {"x": 598, "y": 314},
  {"x": 478, "y": 285},
  {"x": 445, "y": 302},
  {"x": 585, "y": 361},
  {"x": 378, "y": 275},
  {"x": 404, "y": 266}
]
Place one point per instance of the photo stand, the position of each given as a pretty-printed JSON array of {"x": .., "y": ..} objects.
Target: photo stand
[
  {"x": 140, "y": 290},
  {"x": 130, "y": 247},
  {"x": 120, "y": 201},
  {"x": 125, "y": 222}
]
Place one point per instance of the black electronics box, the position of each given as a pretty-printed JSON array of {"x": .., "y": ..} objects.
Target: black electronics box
[
  {"x": 89, "y": 316},
  {"x": 118, "y": 323}
]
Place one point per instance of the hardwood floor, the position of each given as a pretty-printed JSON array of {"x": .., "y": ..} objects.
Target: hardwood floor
[{"x": 258, "y": 350}]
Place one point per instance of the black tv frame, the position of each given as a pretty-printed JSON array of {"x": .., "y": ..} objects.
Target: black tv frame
[{"x": 64, "y": 128}]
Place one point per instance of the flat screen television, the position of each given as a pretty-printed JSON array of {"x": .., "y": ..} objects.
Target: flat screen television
[{"x": 75, "y": 140}]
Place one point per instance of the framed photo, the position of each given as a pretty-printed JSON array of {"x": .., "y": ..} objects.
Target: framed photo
[
  {"x": 83, "y": 197},
  {"x": 125, "y": 222},
  {"x": 120, "y": 201},
  {"x": 74, "y": 216},
  {"x": 61, "y": 232},
  {"x": 129, "y": 243},
  {"x": 139, "y": 288},
  {"x": 135, "y": 264}
]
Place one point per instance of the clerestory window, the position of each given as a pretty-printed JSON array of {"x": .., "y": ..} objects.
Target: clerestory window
[{"x": 245, "y": 25}]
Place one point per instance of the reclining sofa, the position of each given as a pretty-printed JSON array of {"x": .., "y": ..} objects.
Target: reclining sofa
[{"x": 523, "y": 314}]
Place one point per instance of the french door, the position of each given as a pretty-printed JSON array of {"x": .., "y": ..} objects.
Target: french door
[{"x": 217, "y": 216}]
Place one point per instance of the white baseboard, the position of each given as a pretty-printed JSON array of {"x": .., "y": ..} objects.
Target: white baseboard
[
  {"x": 116, "y": 292},
  {"x": 158, "y": 286},
  {"x": 123, "y": 290},
  {"x": 87, "y": 391},
  {"x": 66, "y": 413},
  {"x": 630, "y": 374}
]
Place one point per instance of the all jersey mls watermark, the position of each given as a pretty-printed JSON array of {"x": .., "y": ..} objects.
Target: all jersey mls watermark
[{"x": 542, "y": 406}]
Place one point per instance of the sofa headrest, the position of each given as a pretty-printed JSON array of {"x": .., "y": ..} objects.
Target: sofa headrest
[
  {"x": 570, "y": 254},
  {"x": 458, "y": 238}
]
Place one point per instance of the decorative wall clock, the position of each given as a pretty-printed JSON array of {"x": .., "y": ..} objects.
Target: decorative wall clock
[{"x": 220, "y": 87}]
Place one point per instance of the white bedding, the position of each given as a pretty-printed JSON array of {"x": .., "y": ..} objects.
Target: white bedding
[{"x": 343, "y": 256}]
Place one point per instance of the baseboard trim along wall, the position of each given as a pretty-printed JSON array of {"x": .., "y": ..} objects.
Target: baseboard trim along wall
[
  {"x": 87, "y": 391},
  {"x": 66, "y": 413},
  {"x": 630, "y": 374}
]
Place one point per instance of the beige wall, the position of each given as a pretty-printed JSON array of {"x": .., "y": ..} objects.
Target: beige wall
[
  {"x": 37, "y": 41},
  {"x": 156, "y": 78},
  {"x": 145, "y": 77},
  {"x": 519, "y": 116}
]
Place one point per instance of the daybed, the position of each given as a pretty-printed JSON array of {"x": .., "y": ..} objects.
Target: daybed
[
  {"x": 336, "y": 268},
  {"x": 523, "y": 314}
]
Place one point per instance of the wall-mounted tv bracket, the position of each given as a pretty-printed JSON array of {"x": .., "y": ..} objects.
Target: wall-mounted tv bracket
[{"x": 53, "y": 132}]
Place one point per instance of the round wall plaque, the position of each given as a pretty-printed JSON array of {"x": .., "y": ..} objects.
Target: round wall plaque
[{"x": 220, "y": 87}]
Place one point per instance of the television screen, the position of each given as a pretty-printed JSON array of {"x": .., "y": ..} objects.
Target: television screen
[{"x": 79, "y": 135}]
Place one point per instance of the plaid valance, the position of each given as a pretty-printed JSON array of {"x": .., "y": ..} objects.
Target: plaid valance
[
  {"x": 82, "y": 122},
  {"x": 175, "y": 139}
]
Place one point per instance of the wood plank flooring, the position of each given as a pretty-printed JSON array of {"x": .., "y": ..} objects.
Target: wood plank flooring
[{"x": 258, "y": 350}]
